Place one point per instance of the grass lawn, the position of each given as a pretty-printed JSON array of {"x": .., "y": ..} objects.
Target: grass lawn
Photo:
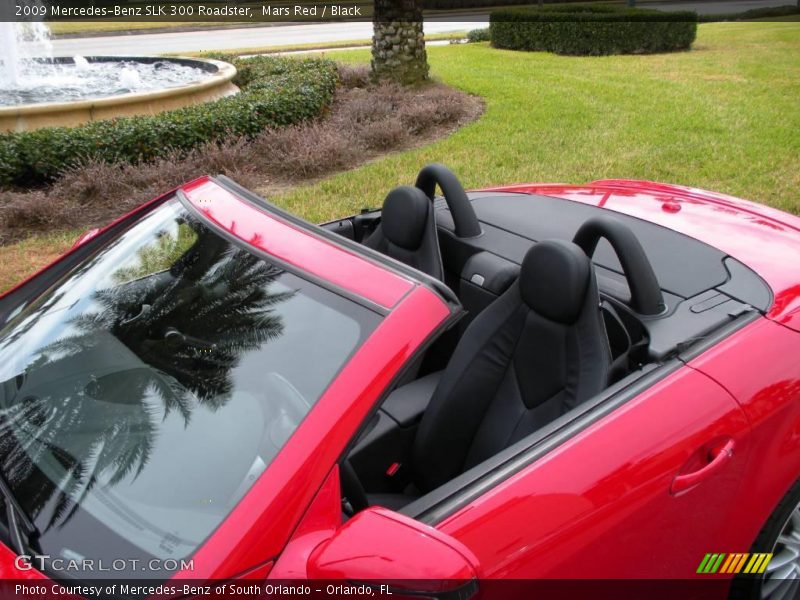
[
  {"x": 724, "y": 116},
  {"x": 18, "y": 261}
]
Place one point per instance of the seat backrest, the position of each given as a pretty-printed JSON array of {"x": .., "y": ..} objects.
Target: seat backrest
[
  {"x": 407, "y": 231},
  {"x": 536, "y": 352}
]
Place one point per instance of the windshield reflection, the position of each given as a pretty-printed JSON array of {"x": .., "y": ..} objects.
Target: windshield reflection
[{"x": 184, "y": 317}]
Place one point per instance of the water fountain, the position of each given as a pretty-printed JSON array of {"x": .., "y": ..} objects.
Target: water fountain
[{"x": 38, "y": 90}]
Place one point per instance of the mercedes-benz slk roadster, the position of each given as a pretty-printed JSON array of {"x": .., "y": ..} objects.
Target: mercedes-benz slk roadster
[{"x": 529, "y": 382}]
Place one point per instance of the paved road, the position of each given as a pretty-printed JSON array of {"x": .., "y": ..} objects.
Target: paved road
[
  {"x": 226, "y": 39},
  {"x": 318, "y": 33}
]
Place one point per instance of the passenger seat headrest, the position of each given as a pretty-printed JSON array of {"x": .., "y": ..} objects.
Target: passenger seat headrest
[
  {"x": 404, "y": 216},
  {"x": 554, "y": 279}
]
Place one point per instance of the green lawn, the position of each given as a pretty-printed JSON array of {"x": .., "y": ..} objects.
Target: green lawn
[
  {"x": 18, "y": 261},
  {"x": 725, "y": 116}
]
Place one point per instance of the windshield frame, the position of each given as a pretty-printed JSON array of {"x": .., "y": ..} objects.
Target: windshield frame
[
  {"x": 180, "y": 195},
  {"x": 436, "y": 286},
  {"x": 14, "y": 304}
]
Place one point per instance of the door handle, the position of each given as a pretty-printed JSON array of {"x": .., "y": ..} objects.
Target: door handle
[{"x": 719, "y": 458}]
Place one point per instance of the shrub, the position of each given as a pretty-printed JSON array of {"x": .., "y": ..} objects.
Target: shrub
[
  {"x": 478, "y": 35},
  {"x": 275, "y": 92},
  {"x": 383, "y": 135},
  {"x": 354, "y": 76},
  {"x": 592, "y": 30},
  {"x": 35, "y": 211},
  {"x": 377, "y": 103},
  {"x": 442, "y": 106},
  {"x": 304, "y": 151}
]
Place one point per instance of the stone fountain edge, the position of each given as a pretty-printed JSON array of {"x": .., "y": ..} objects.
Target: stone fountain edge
[{"x": 219, "y": 84}]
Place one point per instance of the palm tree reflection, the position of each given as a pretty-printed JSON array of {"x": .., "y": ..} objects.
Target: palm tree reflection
[{"x": 163, "y": 337}]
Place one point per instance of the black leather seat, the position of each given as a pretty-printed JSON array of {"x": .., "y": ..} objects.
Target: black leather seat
[
  {"x": 536, "y": 352},
  {"x": 407, "y": 231}
]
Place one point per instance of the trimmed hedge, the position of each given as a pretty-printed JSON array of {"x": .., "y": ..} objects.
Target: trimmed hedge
[
  {"x": 592, "y": 30},
  {"x": 478, "y": 35},
  {"x": 275, "y": 91}
]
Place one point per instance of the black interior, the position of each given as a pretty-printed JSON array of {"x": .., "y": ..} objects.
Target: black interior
[{"x": 561, "y": 301}]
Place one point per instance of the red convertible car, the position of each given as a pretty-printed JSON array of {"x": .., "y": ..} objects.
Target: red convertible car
[{"x": 534, "y": 382}]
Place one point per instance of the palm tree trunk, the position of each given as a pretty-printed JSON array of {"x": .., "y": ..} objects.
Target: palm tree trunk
[{"x": 398, "y": 43}]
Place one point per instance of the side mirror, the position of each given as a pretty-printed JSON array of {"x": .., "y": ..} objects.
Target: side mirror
[
  {"x": 86, "y": 237},
  {"x": 391, "y": 552}
]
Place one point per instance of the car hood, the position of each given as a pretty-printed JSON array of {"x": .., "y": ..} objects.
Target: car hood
[{"x": 765, "y": 239}]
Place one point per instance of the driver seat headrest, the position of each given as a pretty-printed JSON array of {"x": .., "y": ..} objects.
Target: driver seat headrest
[
  {"x": 554, "y": 280},
  {"x": 405, "y": 215}
]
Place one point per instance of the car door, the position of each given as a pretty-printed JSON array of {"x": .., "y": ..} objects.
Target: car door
[{"x": 644, "y": 492}]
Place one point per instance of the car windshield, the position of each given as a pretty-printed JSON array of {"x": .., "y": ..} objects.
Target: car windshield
[{"x": 145, "y": 392}]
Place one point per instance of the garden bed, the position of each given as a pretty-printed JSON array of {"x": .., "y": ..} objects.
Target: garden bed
[{"x": 364, "y": 121}]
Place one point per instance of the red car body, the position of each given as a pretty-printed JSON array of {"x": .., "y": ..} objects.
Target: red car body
[{"x": 622, "y": 498}]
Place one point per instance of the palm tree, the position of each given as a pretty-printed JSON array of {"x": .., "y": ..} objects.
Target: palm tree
[{"x": 398, "y": 42}]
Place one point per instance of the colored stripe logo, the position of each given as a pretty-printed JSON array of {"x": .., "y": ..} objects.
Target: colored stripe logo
[{"x": 735, "y": 563}]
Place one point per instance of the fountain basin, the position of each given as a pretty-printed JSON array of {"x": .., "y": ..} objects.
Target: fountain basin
[{"x": 214, "y": 82}]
